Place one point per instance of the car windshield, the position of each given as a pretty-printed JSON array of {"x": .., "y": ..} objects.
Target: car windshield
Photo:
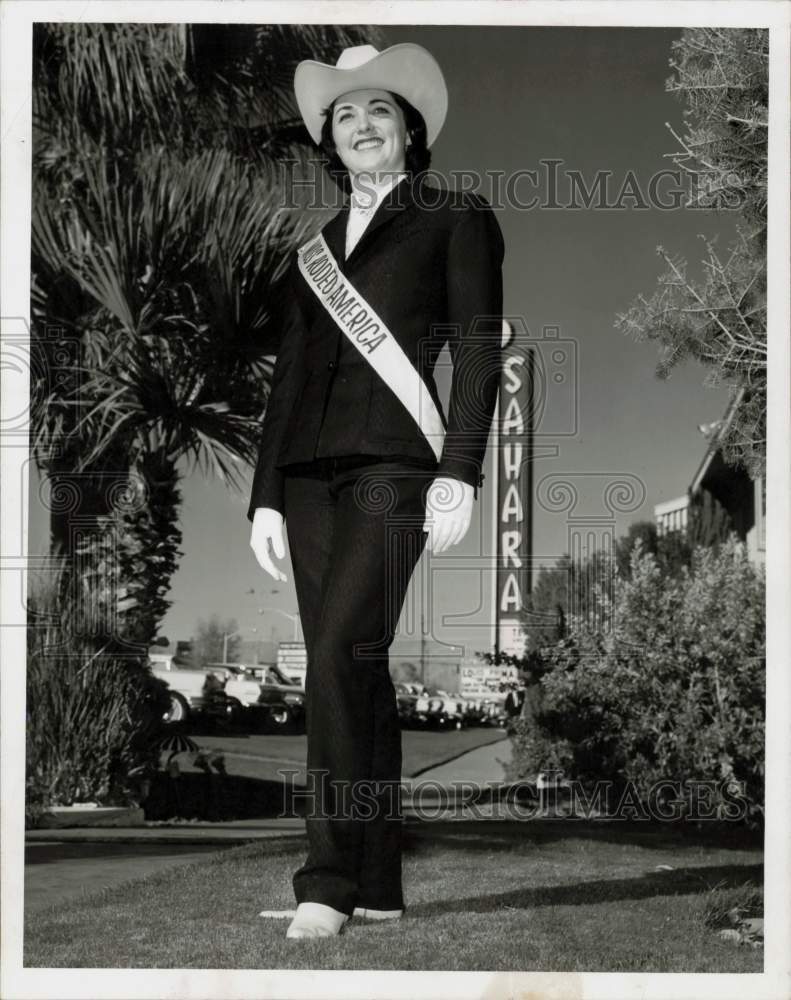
[{"x": 276, "y": 676}]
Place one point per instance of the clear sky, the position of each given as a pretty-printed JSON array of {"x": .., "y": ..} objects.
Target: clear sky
[{"x": 593, "y": 98}]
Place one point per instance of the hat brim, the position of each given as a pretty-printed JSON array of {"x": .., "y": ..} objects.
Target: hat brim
[{"x": 406, "y": 69}]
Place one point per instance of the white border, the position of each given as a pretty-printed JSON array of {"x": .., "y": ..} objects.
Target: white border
[{"x": 16, "y": 17}]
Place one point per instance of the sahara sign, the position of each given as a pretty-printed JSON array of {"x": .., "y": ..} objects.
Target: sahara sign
[{"x": 514, "y": 489}]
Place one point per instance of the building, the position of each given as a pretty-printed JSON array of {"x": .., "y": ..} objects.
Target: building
[
  {"x": 741, "y": 496},
  {"x": 671, "y": 515}
]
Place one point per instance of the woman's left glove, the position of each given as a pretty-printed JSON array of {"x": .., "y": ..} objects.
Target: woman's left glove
[
  {"x": 268, "y": 530},
  {"x": 448, "y": 512}
]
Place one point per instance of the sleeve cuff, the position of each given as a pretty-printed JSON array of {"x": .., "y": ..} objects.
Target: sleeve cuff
[
  {"x": 272, "y": 500},
  {"x": 466, "y": 472}
]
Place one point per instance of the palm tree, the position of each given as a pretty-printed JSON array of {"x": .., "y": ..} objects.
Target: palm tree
[{"x": 159, "y": 239}]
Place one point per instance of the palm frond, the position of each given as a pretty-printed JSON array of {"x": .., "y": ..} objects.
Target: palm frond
[
  {"x": 118, "y": 76},
  {"x": 161, "y": 231}
]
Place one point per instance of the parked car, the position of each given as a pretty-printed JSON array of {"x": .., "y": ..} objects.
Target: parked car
[
  {"x": 406, "y": 699},
  {"x": 265, "y": 692},
  {"x": 194, "y": 692},
  {"x": 448, "y": 709},
  {"x": 494, "y": 713},
  {"x": 435, "y": 708},
  {"x": 236, "y": 684},
  {"x": 473, "y": 711},
  {"x": 289, "y": 697}
]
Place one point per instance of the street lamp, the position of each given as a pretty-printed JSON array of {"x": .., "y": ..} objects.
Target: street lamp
[
  {"x": 294, "y": 618},
  {"x": 230, "y": 635}
]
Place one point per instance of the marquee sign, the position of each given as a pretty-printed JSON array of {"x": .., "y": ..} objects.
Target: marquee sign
[
  {"x": 514, "y": 487},
  {"x": 537, "y": 402}
]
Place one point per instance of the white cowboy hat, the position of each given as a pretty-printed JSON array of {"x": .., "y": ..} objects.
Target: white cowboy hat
[{"x": 405, "y": 69}]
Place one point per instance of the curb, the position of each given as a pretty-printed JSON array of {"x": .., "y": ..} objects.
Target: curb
[
  {"x": 69, "y": 817},
  {"x": 172, "y": 836}
]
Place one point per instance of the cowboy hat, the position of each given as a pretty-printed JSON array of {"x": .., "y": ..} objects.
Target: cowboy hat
[{"x": 405, "y": 69}]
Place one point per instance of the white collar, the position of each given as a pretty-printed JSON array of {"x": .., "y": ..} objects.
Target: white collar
[{"x": 372, "y": 191}]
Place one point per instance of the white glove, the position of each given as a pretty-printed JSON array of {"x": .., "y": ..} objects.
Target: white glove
[
  {"x": 448, "y": 512},
  {"x": 268, "y": 527}
]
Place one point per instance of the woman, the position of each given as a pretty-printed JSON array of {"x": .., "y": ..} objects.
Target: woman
[{"x": 356, "y": 455}]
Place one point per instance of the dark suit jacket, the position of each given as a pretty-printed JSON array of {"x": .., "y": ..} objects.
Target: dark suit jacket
[{"x": 429, "y": 262}]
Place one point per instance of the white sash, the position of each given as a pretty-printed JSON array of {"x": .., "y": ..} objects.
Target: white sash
[{"x": 370, "y": 335}]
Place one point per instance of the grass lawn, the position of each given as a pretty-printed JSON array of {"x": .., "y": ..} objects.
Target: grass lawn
[{"x": 481, "y": 896}]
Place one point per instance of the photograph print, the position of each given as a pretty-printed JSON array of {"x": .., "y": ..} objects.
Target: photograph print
[{"x": 395, "y": 499}]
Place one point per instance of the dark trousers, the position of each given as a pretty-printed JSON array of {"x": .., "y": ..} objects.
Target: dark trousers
[{"x": 355, "y": 534}]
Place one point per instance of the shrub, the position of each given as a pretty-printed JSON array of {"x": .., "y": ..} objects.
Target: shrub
[
  {"x": 666, "y": 684},
  {"x": 93, "y": 714}
]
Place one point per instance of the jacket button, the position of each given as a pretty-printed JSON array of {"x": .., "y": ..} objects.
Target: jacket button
[{"x": 330, "y": 365}]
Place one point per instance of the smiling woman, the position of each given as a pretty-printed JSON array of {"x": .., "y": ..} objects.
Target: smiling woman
[
  {"x": 365, "y": 134},
  {"x": 356, "y": 454},
  {"x": 378, "y": 123},
  {"x": 369, "y": 132}
]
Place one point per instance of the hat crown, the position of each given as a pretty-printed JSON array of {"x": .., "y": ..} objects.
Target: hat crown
[{"x": 356, "y": 55}]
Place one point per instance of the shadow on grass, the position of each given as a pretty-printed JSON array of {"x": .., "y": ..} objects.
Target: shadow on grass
[
  {"x": 217, "y": 798},
  {"x": 490, "y": 834},
  {"x": 680, "y": 882},
  {"x": 55, "y": 853}
]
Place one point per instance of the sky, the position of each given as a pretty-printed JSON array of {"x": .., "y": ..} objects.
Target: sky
[{"x": 593, "y": 98}]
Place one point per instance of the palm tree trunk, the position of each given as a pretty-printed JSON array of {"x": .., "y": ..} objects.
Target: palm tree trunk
[{"x": 118, "y": 530}]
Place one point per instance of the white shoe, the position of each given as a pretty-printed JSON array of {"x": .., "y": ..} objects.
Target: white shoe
[
  {"x": 361, "y": 911},
  {"x": 314, "y": 920}
]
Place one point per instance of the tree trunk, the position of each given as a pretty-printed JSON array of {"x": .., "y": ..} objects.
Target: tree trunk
[{"x": 117, "y": 528}]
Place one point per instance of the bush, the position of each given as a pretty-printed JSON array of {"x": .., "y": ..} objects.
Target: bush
[
  {"x": 93, "y": 714},
  {"x": 669, "y": 684}
]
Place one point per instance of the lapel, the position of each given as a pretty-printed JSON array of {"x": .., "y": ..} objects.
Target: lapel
[
  {"x": 395, "y": 201},
  {"x": 335, "y": 234}
]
